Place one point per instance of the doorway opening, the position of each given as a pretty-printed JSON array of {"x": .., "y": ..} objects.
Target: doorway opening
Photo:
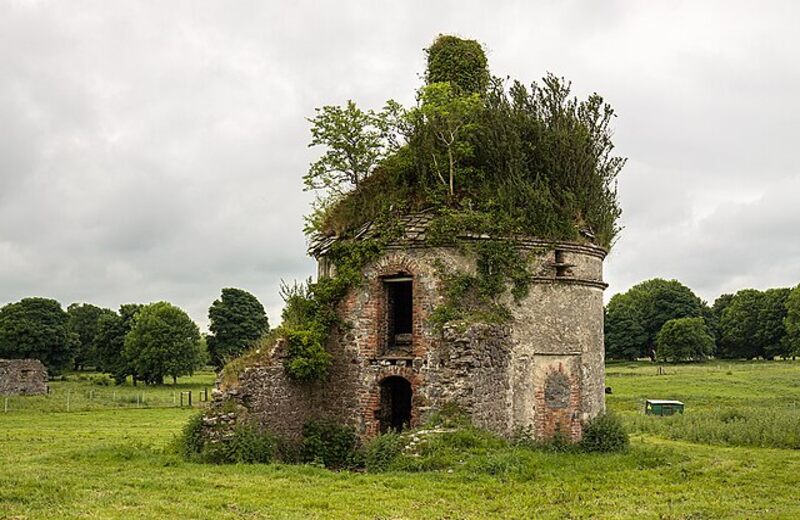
[
  {"x": 400, "y": 315},
  {"x": 395, "y": 412}
]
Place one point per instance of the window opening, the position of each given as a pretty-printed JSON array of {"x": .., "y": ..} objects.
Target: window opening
[{"x": 400, "y": 315}]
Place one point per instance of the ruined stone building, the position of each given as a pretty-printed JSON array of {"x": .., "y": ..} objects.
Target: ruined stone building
[
  {"x": 542, "y": 371},
  {"x": 22, "y": 377}
]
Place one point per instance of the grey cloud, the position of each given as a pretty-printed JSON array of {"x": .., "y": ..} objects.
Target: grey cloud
[{"x": 155, "y": 150}]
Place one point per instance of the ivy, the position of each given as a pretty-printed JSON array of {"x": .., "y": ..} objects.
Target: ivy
[
  {"x": 310, "y": 313},
  {"x": 478, "y": 297},
  {"x": 459, "y": 62}
]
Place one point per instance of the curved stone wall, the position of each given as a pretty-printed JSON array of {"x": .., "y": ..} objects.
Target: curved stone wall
[{"x": 542, "y": 372}]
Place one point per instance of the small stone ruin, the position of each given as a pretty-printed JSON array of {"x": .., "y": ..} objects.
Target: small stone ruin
[{"x": 22, "y": 377}]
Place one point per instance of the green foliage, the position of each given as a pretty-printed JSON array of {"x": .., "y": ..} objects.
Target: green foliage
[
  {"x": 461, "y": 63},
  {"x": 83, "y": 323},
  {"x": 752, "y": 324},
  {"x": 685, "y": 339},
  {"x": 380, "y": 452},
  {"x": 604, "y": 433},
  {"x": 109, "y": 341},
  {"x": 625, "y": 336},
  {"x": 792, "y": 323},
  {"x": 477, "y": 297},
  {"x": 771, "y": 330},
  {"x": 246, "y": 444},
  {"x": 452, "y": 120},
  {"x": 330, "y": 444},
  {"x": 236, "y": 320},
  {"x": 37, "y": 328},
  {"x": 535, "y": 159},
  {"x": 307, "y": 359},
  {"x": 634, "y": 318},
  {"x": 190, "y": 444},
  {"x": 309, "y": 312},
  {"x": 355, "y": 142},
  {"x": 162, "y": 341}
]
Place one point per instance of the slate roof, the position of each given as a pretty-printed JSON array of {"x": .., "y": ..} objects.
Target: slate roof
[{"x": 415, "y": 227}]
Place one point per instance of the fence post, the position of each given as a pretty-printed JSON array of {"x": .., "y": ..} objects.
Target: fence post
[
  {"x": 190, "y": 398},
  {"x": 67, "y": 400}
]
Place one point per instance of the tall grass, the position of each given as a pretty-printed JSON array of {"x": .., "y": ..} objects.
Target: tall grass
[{"x": 760, "y": 427}]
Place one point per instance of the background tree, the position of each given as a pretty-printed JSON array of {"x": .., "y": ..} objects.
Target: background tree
[
  {"x": 236, "y": 319},
  {"x": 625, "y": 336},
  {"x": 164, "y": 341},
  {"x": 685, "y": 339},
  {"x": 715, "y": 315},
  {"x": 791, "y": 323},
  {"x": 37, "y": 328},
  {"x": 648, "y": 306},
  {"x": 82, "y": 321},
  {"x": 109, "y": 342},
  {"x": 771, "y": 331},
  {"x": 739, "y": 327}
]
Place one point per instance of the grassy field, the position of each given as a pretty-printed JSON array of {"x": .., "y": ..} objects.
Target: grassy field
[{"x": 111, "y": 463}]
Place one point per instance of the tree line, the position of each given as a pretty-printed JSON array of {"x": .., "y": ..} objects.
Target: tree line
[
  {"x": 145, "y": 342},
  {"x": 664, "y": 319}
]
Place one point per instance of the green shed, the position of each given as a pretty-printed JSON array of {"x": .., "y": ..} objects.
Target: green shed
[{"x": 662, "y": 407}]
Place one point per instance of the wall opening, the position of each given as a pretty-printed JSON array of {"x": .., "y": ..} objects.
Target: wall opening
[
  {"x": 395, "y": 411},
  {"x": 399, "y": 313},
  {"x": 563, "y": 268}
]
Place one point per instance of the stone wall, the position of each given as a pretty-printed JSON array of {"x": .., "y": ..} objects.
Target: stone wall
[
  {"x": 541, "y": 372},
  {"x": 470, "y": 368},
  {"x": 22, "y": 377}
]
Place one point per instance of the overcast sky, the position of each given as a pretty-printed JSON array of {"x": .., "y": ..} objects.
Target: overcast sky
[{"x": 154, "y": 150}]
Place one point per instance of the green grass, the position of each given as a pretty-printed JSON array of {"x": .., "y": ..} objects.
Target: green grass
[
  {"x": 80, "y": 392},
  {"x": 111, "y": 463},
  {"x": 731, "y": 403}
]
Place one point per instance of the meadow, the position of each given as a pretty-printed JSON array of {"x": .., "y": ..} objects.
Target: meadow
[{"x": 111, "y": 459}]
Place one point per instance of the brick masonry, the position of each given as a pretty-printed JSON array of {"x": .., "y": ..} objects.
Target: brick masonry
[{"x": 542, "y": 372}]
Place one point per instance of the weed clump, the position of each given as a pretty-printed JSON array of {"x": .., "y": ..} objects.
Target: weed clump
[
  {"x": 329, "y": 444},
  {"x": 246, "y": 444},
  {"x": 381, "y": 451},
  {"x": 604, "y": 433}
]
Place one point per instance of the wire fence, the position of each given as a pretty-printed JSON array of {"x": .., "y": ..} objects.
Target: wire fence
[{"x": 66, "y": 397}]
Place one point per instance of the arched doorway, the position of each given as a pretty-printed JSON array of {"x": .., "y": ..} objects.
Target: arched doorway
[{"x": 395, "y": 412}]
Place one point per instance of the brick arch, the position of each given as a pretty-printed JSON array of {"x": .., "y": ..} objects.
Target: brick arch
[
  {"x": 372, "y": 400},
  {"x": 394, "y": 263}
]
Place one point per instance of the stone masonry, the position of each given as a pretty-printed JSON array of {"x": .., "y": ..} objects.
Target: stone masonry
[
  {"x": 22, "y": 377},
  {"x": 542, "y": 372}
]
